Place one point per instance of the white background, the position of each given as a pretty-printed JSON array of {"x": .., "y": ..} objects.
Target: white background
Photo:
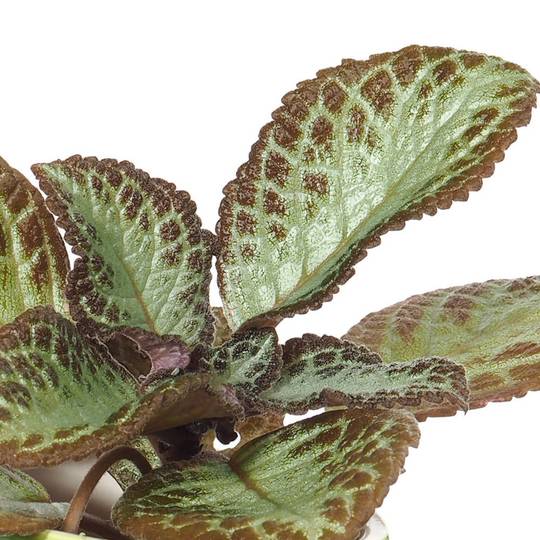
[{"x": 182, "y": 88}]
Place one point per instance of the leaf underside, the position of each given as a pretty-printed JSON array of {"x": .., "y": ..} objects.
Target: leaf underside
[
  {"x": 324, "y": 371},
  {"x": 144, "y": 259},
  {"x": 321, "y": 478},
  {"x": 355, "y": 153},
  {"x": 25, "y": 506},
  {"x": 491, "y": 328},
  {"x": 147, "y": 356},
  {"x": 33, "y": 258},
  {"x": 249, "y": 362},
  {"x": 61, "y": 395}
]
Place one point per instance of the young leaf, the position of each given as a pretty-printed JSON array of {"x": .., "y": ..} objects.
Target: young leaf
[
  {"x": 145, "y": 261},
  {"x": 319, "y": 478},
  {"x": 146, "y": 355},
  {"x": 33, "y": 258},
  {"x": 25, "y": 506},
  {"x": 324, "y": 371},
  {"x": 352, "y": 154},
  {"x": 249, "y": 362},
  {"x": 491, "y": 328},
  {"x": 61, "y": 395}
]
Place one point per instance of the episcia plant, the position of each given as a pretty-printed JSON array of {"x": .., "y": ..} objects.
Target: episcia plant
[{"x": 123, "y": 357}]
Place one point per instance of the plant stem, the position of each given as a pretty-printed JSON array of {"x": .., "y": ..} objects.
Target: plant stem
[{"x": 82, "y": 496}]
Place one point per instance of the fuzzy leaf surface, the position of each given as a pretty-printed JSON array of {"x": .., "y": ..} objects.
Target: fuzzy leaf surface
[
  {"x": 249, "y": 362},
  {"x": 125, "y": 472},
  {"x": 145, "y": 261},
  {"x": 324, "y": 371},
  {"x": 25, "y": 506},
  {"x": 33, "y": 259},
  {"x": 491, "y": 328},
  {"x": 352, "y": 154},
  {"x": 321, "y": 478},
  {"x": 61, "y": 395}
]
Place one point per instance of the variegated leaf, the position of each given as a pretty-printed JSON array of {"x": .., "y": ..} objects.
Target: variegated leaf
[
  {"x": 145, "y": 261},
  {"x": 324, "y": 371},
  {"x": 352, "y": 154},
  {"x": 125, "y": 472},
  {"x": 491, "y": 328},
  {"x": 321, "y": 478},
  {"x": 249, "y": 362},
  {"x": 61, "y": 395},
  {"x": 25, "y": 506},
  {"x": 33, "y": 258}
]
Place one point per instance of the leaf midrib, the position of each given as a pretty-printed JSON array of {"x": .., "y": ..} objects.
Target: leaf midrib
[
  {"x": 251, "y": 485},
  {"x": 137, "y": 293},
  {"x": 346, "y": 243}
]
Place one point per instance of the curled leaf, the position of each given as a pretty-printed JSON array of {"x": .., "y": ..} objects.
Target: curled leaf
[
  {"x": 352, "y": 154},
  {"x": 33, "y": 258},
  {"x": 61, "y": 394},
  {"x": 146, "y": 355},
  {"x": 25, "y": 506},
  {"x": 319, "y": 478},
  {"x": 145, "y": 261},
  {"x": 324, "y": 371},
  {"x": 491, "y": 328}
]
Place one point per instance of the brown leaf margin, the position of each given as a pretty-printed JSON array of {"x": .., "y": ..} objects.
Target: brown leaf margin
[
  {"x": 82, "y": 267},
  {"x": 388, "y": 461},
  {"x": 369, "y": 330},
  {"x": 19, "y": 183},
  {"x": 334, "y": 398},
  {"x": 101, "y": 439},
  {"x": 294, "y": 104}
]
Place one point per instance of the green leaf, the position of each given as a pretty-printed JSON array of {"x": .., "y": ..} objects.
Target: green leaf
[
  {"x": 491, "y": 328},
  {"x": 324, "y": 371},
  {"x": 125, "y": 472},
  {"x": 62, "y": 396},
  {"x": 33, "y": 258},
  {"x": 352, "y": 154},
  {"x": 25, "y": 506},
  {"x": 319, "y": 478},
  {"x": 249, "y": 362},
  {"x": 145, "y": 261}
]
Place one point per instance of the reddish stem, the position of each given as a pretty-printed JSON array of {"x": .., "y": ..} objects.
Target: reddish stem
[{"x": 87, "y": 486}]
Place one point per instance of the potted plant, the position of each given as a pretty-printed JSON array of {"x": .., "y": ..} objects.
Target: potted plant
[{"x": 123, "y": 356}]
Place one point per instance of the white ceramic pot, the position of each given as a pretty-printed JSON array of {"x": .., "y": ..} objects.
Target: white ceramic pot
[{"x": 375, "y": 530}]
